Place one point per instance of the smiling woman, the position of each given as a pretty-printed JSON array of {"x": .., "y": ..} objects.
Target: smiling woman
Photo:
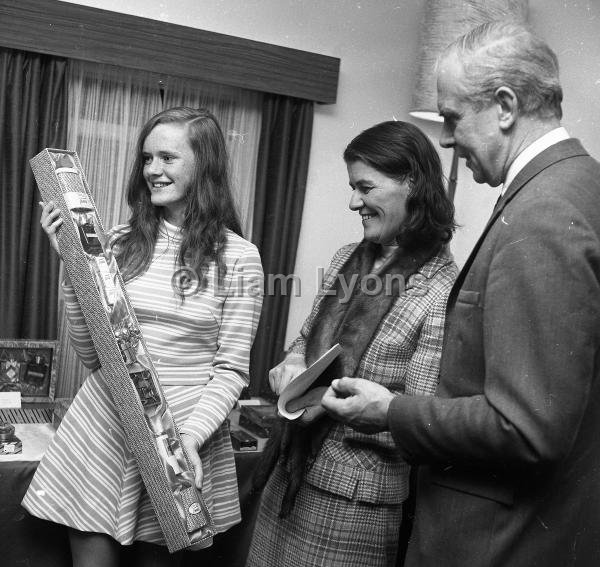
[
  {"x": 332, "y": 495},
  {"x": 180, "y": 175},
  {"x": 380, "y": 201},
  {"x": 168, "y": 169},
  {"x": 182, "y": 215}
]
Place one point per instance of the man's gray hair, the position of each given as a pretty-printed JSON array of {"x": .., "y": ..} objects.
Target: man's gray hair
[{"x": 506, "y": 53}]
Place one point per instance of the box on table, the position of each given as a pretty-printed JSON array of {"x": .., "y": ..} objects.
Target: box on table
[{"x": 258, "y": 419}]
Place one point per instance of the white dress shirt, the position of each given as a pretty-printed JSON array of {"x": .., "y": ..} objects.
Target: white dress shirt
[{"x": 537, "y": 147}]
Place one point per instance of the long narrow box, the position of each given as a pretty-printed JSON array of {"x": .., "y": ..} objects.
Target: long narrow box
[{"x": 126, "y": 365}]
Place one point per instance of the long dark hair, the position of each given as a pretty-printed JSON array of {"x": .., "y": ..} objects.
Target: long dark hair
[
  {"x": 403, "y": 152},
  {"x": 209, "y": 204}
]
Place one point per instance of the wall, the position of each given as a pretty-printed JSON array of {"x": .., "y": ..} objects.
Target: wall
[{"x": 377, "y": 41}]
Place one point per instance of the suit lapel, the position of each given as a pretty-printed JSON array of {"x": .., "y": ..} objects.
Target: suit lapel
[{"x": 562, "y": 150}]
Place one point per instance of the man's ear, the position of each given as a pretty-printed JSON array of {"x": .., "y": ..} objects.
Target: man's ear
[{"x": 508, "y": 107}]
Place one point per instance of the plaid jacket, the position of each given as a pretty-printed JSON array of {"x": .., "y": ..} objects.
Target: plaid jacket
[{"x": 403, "y": 356}]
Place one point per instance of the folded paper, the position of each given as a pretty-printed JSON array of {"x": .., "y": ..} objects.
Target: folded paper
[{"x": 299, "y": 386}]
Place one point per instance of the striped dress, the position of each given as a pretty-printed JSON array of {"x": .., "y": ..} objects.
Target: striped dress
[{"x": 88, "y": 478}]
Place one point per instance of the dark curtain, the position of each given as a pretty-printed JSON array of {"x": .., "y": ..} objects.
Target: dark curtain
[
  {"x": 33, "y": 116},
  {"x": 280, "y": 186}
]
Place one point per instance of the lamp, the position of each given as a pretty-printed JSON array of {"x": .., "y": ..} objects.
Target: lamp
[{"x": 445, "y": 21}]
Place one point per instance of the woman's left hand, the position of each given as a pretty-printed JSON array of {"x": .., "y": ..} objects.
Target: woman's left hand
[{"x": 192, "y": 448}]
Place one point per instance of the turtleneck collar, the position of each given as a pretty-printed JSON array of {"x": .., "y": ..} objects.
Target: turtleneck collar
[{"x": 170, "y": 230}]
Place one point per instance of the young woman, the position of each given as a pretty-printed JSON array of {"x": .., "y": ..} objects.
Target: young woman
[{"x": 198, "y": 334}]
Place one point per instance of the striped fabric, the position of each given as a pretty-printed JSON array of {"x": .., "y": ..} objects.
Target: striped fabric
[
  {"x": 363, "y": 471},
  {"x": 200, "y": 347}
]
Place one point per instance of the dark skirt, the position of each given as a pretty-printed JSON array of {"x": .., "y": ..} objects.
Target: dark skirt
[{"x": 323, "y": 529}]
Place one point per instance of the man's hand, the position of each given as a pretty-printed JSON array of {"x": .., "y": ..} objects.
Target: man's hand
[{"x": 361, "y": 404}]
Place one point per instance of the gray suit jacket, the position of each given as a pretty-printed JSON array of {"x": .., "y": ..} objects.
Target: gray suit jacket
[{"x": 510, "y": 448}]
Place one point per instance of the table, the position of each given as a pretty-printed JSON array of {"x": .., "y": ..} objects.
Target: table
[{"x": 29, "y": 541}]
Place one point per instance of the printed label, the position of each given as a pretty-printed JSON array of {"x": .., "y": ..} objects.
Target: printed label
[{"x": 77, "y": 200}]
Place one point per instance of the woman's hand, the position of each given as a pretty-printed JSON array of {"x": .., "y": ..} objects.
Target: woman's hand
[
  {"x": 286, "y": 371},
  {"x": 192, "y": 449},
  {"x": 51, "y": 221},
  {"x": 311, "y": 403}
]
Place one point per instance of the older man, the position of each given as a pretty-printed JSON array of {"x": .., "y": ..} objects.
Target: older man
[{"x": 510, "y": 446}]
